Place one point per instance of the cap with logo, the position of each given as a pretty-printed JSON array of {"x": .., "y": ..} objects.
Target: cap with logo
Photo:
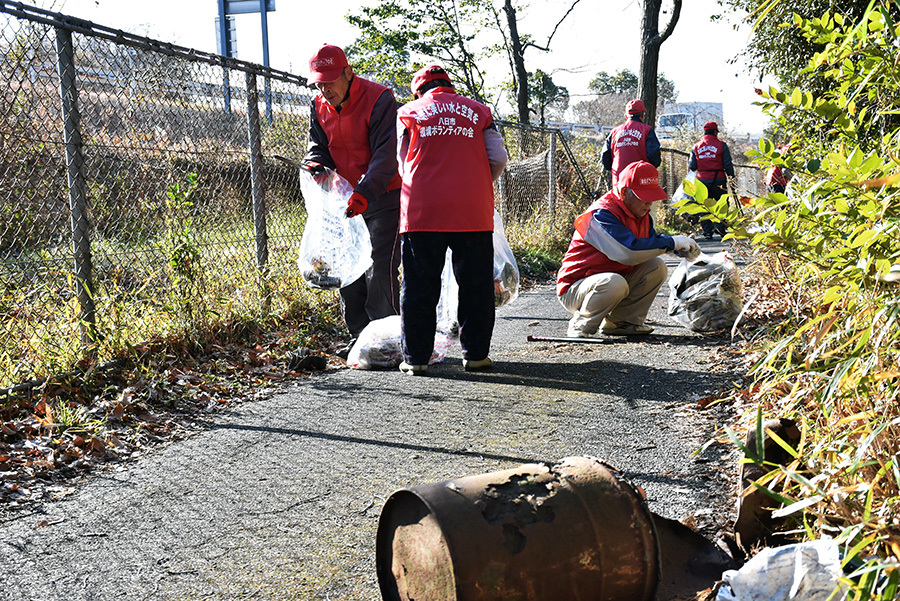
[
  {"x": 327, "y": 64},
  {"x": 643, "y": 179},
  {"x": 426, "y": 74},
  {"x": 634, "y": 107}
]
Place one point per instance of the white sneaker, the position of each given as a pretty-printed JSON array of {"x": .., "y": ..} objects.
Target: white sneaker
[
  {"x": 629, "y": 329},
  {"x": 480, "y": 365},
  {"x": 574, "y": 330},
  {"x": 413, "y": 370}
]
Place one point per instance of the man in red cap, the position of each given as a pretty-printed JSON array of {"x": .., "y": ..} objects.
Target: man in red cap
[
  {"x": 711, "y": 159},
  {"x": 352, "y": 129},
  {"x": 450, "y": 154},
  {"x": 612, "y": 270},
  {"x": 632, "y": 141}
]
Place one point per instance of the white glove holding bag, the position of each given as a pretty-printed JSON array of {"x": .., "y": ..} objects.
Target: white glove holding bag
[{"x": 686, "y": 247}]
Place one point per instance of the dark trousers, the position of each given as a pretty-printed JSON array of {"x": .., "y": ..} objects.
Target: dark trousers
[
  {"x": 377, "y": 293},
  {"x": 472, "y": 257},
  {"x": 715, "y": 189}
]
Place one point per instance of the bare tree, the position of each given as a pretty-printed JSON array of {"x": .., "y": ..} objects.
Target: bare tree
[
  {"x": 516, "y": 49},
  {"x": 651, "y": 41}
]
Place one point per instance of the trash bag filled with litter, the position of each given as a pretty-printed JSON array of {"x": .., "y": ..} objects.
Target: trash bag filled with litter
[
  {"x": 705, "y": 294},
  {"x": 448, "y": 303},
  {"x": 334, "y": 250},
  {"x": 506, "y": 271},
  {"x": 379, "y": 347}
]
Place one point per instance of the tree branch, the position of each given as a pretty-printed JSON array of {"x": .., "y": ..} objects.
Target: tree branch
[
  {"x": 568, "y": 12},
  {"x": 546, "y": 48},
  {"x": 670, "y": 26}
]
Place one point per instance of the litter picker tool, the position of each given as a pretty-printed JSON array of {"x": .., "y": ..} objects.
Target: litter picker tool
[{"x": 567, "y": 339}]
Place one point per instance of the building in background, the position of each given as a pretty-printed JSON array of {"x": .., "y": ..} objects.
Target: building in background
[{"x": 688, "y": 117}]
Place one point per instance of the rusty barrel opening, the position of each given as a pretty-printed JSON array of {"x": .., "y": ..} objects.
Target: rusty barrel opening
[
  {"x": 572, "y": 531},
  {"x": 414, "y": 562}
]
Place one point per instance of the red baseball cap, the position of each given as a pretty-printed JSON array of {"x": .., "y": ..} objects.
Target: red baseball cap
[
  {"x": 711, "y": 125},
  {"x": 426, "y": 74},
  {"x": 635, "y": 106},
  {"x": 327, "y": 64},
  {"x": 643, "y": 179}
]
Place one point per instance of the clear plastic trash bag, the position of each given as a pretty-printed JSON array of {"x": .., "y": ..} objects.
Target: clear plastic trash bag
[
  {"x": 506, "y": 271},
  {"x": 705, "y": 294},
  {"x": 379, "y": 346},
  {"x": 334, "y": 250},
  {"x": 680, "y": 194},
  {"x": 448, "y": 302}
]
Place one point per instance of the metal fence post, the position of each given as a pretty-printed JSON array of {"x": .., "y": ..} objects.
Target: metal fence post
[
  {"x": 551, "y": 188},
  {"x": 256, "y": 175},
  {"x": 80, "y": 227}
]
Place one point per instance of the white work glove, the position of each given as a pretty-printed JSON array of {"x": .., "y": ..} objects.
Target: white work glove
[{"x": 686, "y": 247}]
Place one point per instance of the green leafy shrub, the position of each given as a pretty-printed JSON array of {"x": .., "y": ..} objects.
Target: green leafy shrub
[{"x": 835, "y": 366}]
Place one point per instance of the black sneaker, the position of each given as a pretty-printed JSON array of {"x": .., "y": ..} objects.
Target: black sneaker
[{"x": 344, "y": 351}]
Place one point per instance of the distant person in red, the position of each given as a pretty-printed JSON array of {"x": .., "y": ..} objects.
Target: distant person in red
[
  {"x": 353, "y": 130},
  {"x": 450, "y": 154},
  {"x": 711, "y": 159},
  {"x": 631, "y": 142},
  {"x": 778, "y": 177}
]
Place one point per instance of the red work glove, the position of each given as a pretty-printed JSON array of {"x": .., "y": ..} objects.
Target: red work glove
[
  {"x": 317, "y": 170},
  {"x": 356, "y": 204}
]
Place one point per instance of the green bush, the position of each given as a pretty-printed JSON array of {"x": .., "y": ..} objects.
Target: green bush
[{"x": 834, "y": 366}]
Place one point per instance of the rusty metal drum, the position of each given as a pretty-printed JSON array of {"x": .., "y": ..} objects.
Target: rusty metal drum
[{"x": 573, "y": 531}]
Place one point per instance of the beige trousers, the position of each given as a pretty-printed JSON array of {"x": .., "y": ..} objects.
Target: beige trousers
[{"x": 624, "y": 300}]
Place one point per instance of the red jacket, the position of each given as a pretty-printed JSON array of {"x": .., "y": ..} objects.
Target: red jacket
[
  {"x": 350, "y": 149},
  {"x": 710, "y": 162},
  {"x": 447, "y": 184},
  {"x": 775, "y": 177},
  {"x": 628, "y": 143},
  {"x": 582, "y": 259}
]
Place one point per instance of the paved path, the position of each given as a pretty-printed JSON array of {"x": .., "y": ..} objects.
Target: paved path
[{"x": 280, "y": 499}]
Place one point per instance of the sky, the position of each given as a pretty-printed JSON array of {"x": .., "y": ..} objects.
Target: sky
[{"x": 596, "y": 36}]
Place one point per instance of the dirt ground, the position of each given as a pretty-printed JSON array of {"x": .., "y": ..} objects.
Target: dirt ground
[{"x": 280, "y": 498}]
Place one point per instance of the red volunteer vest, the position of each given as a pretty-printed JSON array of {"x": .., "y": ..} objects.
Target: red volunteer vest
[
  {"x": 709, "y": 158},
  {"x": 348, "y": 131},
  {"x": 447, "y": 185},
  {"x": 582, "y": 259},
  {"x": 629, "y": 145},
  {"x": 775, "y": 177}
]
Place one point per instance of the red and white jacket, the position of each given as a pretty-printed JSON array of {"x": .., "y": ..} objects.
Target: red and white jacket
[
  {"x": 447, "y": 164},
  {"x": 775, "y": 177},
  {"x": 609, "y": 239}
]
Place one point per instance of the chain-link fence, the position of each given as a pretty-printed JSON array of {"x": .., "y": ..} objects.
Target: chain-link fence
[
  {"x": 573, "y": 162},
  {"x": 135, "y": 199},
  {"x": 549, "y": 179},
  {"x": 748, "y": 179}
]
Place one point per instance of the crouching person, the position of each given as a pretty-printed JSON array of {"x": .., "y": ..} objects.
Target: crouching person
[
  {"x": 450, "y": 153},
  {"x": 612, "y": 270}
]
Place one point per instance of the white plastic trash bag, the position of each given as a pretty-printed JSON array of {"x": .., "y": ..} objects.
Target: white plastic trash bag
[
  {"x": 334, "y": 250},
  {"x": 506, "y": 271},
  {"x": 680, "y": 194},
  {"x": 705, "y": 294},
  {"x": 802, "y": 572},
  {"x": 379, "y": 346},
  {"x": 448, "y": 303}
]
